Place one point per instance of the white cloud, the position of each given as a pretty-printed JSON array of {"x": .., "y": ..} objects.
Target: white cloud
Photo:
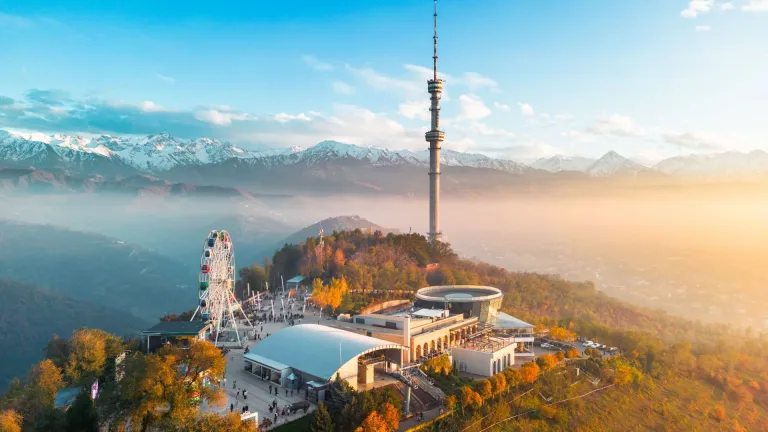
[
  {"x": 316, "y": 64},
  {"x": 526, "y": 109},
  {"x": 283, "y": 117},
  {"x": 425, "y": 73},
  {"x": 219, "y": 118},
  {"x": 149, "y": 106},
  {"x": 484, "y": 130},
  {"x": 648, "y": 157},
  {"x": 696, "y": 7},
  {"x": 756, "y": 6},
  {"x": 471, "y": 107},
  {"x": 417, "y": 109},
  {"x": 343, "y": 88},
  {"x": 694, "y": 140},
  {"x": 526, "y": 151},
  {"x": 703, "y": 28},
  {"x": 475, "y": 81},
  {"x": 577, "y": 135},
  {"x": 616, "y": 125},
  {"x": 381, "y": 81},
  {"x": 501, "y": 106},
  {"x": 727, "y": 6},
  {"x": 165, "y": 78}
]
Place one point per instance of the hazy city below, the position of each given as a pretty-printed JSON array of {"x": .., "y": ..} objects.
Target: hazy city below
[{"x": 697, "y": 254}]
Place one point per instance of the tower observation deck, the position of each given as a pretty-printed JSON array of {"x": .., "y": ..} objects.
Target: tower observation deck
[{"x": 435, "y": 137}]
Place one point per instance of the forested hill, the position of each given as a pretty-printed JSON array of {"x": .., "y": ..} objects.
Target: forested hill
[
  {"x": 95, "y": 268},
  {"x": 30, "y": 316},
  {"x": 687, "y": 376}
]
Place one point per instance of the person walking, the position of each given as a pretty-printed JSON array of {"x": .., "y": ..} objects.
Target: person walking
[
  {"x": 231, "y": 407},
  {"x": 270, "y": 389},
  {"x": 234, "y": 383},
  {"x": 245, "y": 394}
]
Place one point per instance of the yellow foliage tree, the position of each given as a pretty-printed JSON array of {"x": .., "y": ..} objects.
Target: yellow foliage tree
[
  {"x": 373, "y": 423},
  {"x": 562, "y": 334},
  {"x": 391, "y": 416},
  {"x": 450, "y": 403},
  {"x": 547, "y": 361},
  {"x": 485, "y": 389},
  {"x": 319, "y": 293},
  {"x": 529, "y": 372},
  {"x": 338, "y": 259},
  {"x": 44, "y": 381},
  {"x": 469, "y": 398},
  {"x": 572, "y": 353},
  {"x": 87, "y": 355},
  {"x": 167, "y": 388},
  {"x": 440, "y": 364},
  {"x": 89, "y": 350},
  {"x": 336, "y": 292},
  {"x": 513, "y": 377},
  {"x": 10, "y": 421},
  {"x": 499, "y": 383}
]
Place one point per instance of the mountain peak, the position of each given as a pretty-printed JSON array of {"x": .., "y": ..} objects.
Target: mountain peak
[{"x": 611, "y": 164}]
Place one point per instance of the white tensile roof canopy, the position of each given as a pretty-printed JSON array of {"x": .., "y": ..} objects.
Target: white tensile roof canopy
[{"x": 315, "y": 349}]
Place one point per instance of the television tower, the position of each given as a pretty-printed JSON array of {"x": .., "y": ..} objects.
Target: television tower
[{"x": 435, "y": 137}]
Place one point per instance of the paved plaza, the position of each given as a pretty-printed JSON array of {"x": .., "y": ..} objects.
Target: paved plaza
[{"x": 258, "y": 398}]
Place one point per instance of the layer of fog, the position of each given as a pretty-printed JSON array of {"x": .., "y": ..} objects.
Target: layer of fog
[{"x": 695, "y": 254}]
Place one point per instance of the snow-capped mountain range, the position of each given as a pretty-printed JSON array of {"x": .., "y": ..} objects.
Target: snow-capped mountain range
[
  {"x": 162, "y": 152},
  {"x": 156, "y": 154}
]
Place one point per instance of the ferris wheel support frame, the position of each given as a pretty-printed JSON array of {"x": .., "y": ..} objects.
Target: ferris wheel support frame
[{"x": 222, "y": 310}]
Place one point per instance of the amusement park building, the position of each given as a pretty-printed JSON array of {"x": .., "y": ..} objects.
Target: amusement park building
[{"x": 307, "y": 353}]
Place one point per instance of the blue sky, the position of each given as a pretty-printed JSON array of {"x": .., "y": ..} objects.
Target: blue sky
[{"x": 647, "y": 78}]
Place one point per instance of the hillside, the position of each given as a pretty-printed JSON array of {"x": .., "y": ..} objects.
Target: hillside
[
  {"x": 30, "y": 181},
  {"x": 335, "y": 224},
  {"x": 95, "y": 268},
  {"x": 674, "y": 375},
  {"x": 30, "y": 316}
]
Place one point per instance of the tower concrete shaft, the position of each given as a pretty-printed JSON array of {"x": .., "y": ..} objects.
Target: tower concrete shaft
[{"x": 435, "y": 137}]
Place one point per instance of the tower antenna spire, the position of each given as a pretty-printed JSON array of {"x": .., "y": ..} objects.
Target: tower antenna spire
[
  {"x": 434, "y": 57},
  {"x": 435, "y": 137}
]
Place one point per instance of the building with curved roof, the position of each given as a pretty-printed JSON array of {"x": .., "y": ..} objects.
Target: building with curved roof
[
  {"x": 309, "y": 352},
  {"x": 482, "y": 302}
]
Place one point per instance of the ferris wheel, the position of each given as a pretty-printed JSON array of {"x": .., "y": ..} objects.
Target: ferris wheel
[{"x": 216, "y": 299}]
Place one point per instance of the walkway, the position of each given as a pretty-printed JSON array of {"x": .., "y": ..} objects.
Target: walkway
[{"x": 259, "y": 399}]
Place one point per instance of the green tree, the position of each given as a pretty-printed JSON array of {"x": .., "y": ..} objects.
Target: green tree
[
  {"x": 81, "y": 416},
  {"x": 220, "y": 423},
  {"x": 255, "y": 275},
  {"x": 57, "y": 350},
  {"x": 321, "y": 420}
]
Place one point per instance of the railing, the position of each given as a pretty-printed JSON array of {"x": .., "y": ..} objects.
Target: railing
[{"x": 372, "y": 360}]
